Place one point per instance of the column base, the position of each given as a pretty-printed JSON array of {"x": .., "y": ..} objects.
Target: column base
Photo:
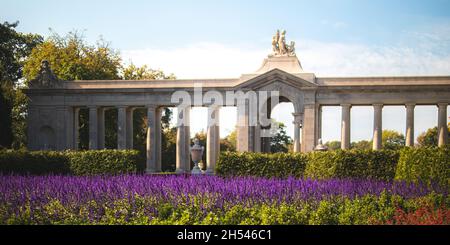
[
  {"x": 209, "y": 172},
  {"x": 150, "y": 171},
  {"x": 196, "y": 170},
  {"x": 179, "y": 171}
]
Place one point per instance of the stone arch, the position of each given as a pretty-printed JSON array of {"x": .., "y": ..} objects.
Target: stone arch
[
  {"x": 47, "y": 138},
  {"x": 287, "y": 94}
]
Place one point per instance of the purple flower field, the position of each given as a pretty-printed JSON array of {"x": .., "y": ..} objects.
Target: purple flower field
[{"x": 204, "y": 192}]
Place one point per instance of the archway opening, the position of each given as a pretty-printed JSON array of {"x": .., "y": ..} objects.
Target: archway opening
[{"x": 282, "y": 136}]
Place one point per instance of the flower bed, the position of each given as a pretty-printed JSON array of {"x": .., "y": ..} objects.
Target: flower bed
[{"x": 170, "y": 199}]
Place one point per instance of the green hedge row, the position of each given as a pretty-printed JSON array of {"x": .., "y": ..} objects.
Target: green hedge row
[
  {"x": 430, "y": 164},
  {"x": 409, "y": 164},
  {"x": 280, "y": 165},
  {"x": 71, "y": 162},
  {"x": 352, "y": 164}
]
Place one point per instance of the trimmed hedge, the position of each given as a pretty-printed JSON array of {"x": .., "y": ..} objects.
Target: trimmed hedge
[
  {"x": 367, "y": 164},
  {"x": 317, "y": 165},
  {"x": 96, "y": 162},
  {"x": 429, "y": 165},
  {"x": 279, "y": 165}
]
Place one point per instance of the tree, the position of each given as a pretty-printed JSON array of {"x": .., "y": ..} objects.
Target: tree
[
  {"x": 229, "y": 142},
  {"x": 71, "y": 58},
  {"x": 14, "y": 48},
  {"x": 361, "y": 145},
  {"x": 281, "y": 141},
  {"x": 391, "y": 139},
  {"x": 430, "y": 137},
  {"x": 333, "y": 145}
]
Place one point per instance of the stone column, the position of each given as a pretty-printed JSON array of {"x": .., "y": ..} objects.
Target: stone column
[
  {"x": 76, "y": 127},
  {"x": 121, "y": 127},
  {"x": 101, "y": 128},
  {"x": 319, "y": 121},
  {"x": 212, "y": 139},
  {"x": 129, "y": 131},
  {"x": 183, "y": 161},
  {"x": 93, "y": 127},
  {"x": 243, "y": 129},
  {"x": 345, "y": 126},
  {"x": 442, "y": 124},
  {"x": 410, "y": 124},
  {"x": 309, "y": 136},
  {"x": 377, "y": 126},
  {"x": 151, "y": 147},
  {"x": 158, "y": 139},
  {"x": 297, "y": 125}
]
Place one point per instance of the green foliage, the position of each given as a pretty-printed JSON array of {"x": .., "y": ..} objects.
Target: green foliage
[
  {"x": 319, "y": 165},
  {"x": 229, "y": 142},
  {"x": 105, "y": 162},
  {"x": 280, "y": 141},
  {"x": 333, "y": 145},
  {"x": 14, "y": 48},
  {"x": 279, "y": 165},
  {"x": 33, "y": 162},
  {"x": 352, "y": 164},
  {"x": 392, "y": 139},
  {"x": 426, "y": 164},
  {"x": 71, "y": 58},
  {"x": 71, "y": 162},
  {"x": 143, "y": 210},
  {"x": 361, "y": 145},
  {"x": 430, "y": 137},
  {"x": 132, "y": 72}
]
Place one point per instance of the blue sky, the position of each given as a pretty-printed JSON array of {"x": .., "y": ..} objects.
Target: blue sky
[{"x": 227, "y": 38}]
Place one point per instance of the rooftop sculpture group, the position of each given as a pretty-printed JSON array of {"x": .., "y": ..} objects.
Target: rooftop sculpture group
[{"x": 279, "y": 46}]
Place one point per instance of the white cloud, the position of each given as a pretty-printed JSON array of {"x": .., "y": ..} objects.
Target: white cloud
[
  {"x": 423, "y": 54},
  {"x": 200, "y": 60}
]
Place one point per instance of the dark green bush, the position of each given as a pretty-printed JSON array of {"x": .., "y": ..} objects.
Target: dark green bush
[
  {"x": 352, "y": 164},
  {"x": 279, "y": 165},
  {"x": 426, "y": 164},
  {"x": 317, "y": 165},
  {"x": 71, "y": 162},
  {"x": 33, "y": 162}
]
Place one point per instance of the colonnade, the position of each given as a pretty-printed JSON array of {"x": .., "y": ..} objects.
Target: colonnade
[
  {"x": 153, "y": 136},
  {"x": 377, "y": 125},
  {"x": 183, "y": 142}
]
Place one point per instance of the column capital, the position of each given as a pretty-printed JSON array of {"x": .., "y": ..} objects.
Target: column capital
[
  {"x": 346, "y": 105},
  {"x": 409, "y": 104},
  {"x": 377, "y": 105},
  {"x": 443, "y": 104}
]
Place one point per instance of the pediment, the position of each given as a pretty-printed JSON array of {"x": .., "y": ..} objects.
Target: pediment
[{"x": 303, "y": 80}]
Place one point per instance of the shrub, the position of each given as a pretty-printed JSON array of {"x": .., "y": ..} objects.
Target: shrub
[
  {"x": 279, "y": 165},
  {"x": 317, "y": 165},
  {"x": 426, "y": 164},
  {"x": 33, "y": 162},
  {"x": 105, "y": 162},
  {"x": 71, "y": 162},
  {"x": 352, "y": 164}
]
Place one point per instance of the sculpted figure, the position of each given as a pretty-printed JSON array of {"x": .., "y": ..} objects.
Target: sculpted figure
[
  {"x": 282, "y": 43},
  {"x": 46, "y": 78},
  {"x": 275, "y": 38},
  {"x": 291, "y": 48}
]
